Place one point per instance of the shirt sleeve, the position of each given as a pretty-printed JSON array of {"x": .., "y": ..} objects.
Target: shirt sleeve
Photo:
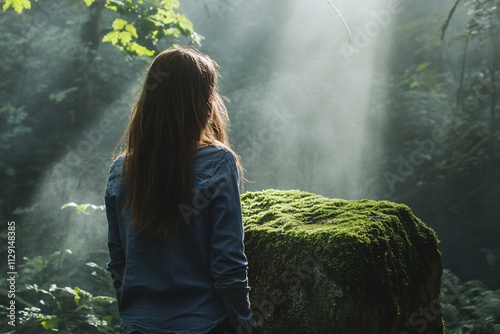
[
  {"x": 228, "y": 260},
  {"x": 116, "y": 264}
]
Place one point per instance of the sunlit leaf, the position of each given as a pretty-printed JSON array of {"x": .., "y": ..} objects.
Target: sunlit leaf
[
  {"x": 89, "y": 2},
  {"x": 67, "y": 205},
  {"x": 103, "y": 299},
  {"x": 140, "y": 50},
  {"x": 18, "y": 5},
  {"x": 184, "y": 23},
  {"x": 82, "y": 208},
  {"x": 50, "y": 322},
  {"x": 125, "y": 37},
  {"x": 197, "y": 38},
  {"x": 95, "y": 321},
  {"x": 112, "y": 37},
  {"x": 82, "y": 293},
  {"x": 70, "y": 290},
  {"x": 170, "y": 4},
  {"x": 131, "y": 29},
  {"x": 119, "y": 24}
]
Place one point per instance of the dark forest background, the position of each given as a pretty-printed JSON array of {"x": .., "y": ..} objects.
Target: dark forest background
[{"x": 408, "y": 111}]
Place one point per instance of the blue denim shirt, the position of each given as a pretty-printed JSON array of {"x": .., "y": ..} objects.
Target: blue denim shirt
[{"x": 196, "y": 278}]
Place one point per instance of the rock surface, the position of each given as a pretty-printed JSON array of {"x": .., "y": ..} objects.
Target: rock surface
[{"x": 319, "y": 265}]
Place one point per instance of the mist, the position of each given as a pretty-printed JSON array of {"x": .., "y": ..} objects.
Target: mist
[
  {"x": 300, "y": 120},
  {"x": 298, "y": 106}
]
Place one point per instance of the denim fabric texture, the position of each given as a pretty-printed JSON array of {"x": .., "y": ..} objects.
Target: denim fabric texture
[{"x": 196, "y": 278}]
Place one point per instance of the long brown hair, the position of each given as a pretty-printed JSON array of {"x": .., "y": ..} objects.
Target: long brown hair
[{"x": 178, "y": 107}]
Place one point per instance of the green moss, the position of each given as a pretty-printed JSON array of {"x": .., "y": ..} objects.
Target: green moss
[{"x": 335, "y": 262}]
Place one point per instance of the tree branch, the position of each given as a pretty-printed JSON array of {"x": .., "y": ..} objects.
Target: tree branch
[
  {"x": 448, "y": 19},
  {"x": 344, "y": 23}
]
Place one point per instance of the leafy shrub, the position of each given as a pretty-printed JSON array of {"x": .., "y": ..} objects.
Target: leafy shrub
[
  {"x": 46, "y": 302},
  {"x": 469, "y": 307}
]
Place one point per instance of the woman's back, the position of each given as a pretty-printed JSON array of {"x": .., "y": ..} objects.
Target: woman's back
[{"x": 183, "y": 284}]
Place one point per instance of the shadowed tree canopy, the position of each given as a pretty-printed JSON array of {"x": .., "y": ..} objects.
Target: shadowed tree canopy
[{"x": 57, "y": 63}]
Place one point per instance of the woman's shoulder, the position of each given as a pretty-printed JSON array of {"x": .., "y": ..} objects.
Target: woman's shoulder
[
  {"x": 211, "y": 157},
  {"x": 116, "y": 166},
  {"x": 216, "y": 149}
]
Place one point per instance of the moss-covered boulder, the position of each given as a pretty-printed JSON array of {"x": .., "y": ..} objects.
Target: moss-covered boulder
[{"x": 327, "y": 266}]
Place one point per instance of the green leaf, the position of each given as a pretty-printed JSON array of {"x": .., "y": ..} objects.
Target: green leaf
[
  {"x": 89, "y": 2},
  {"x": 103, "y": 300},
  {"x": 131, "y": 29},
  {"x": 50, "y": 322},
  {"x": 119, "y": 24},
  {"x": 170, "y": 4},
  {"x": 70, "y": 290},
  {"x": 111, "y": 37},
  {"x": 197, "y": 38},
  {"x": 125, "y": 37},
  {"x": 108, "y": 318},
  {"x": 37, "y": 263},
  {"x": 422, "y": 67},
  {"x": 184, "y": 23},
  {"x": 82, "y": 208},
  {"x": 61, "y": 95},
  {"x": 92, "y": 265},
  {"x": 18, "y": 5},
  {"x": 67, "y": 205},
  {"x": 140, "y": 50},
  {"x": 82, "y": 292}
]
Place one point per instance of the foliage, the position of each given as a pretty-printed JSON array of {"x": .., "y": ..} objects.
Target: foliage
[
  {"x": 82, "y": 208},
  {"x": 17, "y": 5},
  {"x": 52, "y": 293},
  {"x": 49, "y": 94},
  {"x": 469, "y": 307},
  {"x": 68, "y": 309},
  {"x": 141, "y": 25},
  {"x": 443, "y": 157},
  {"x": 46, "y": 303}
]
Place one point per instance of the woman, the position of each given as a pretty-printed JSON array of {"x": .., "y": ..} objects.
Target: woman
[{"x": 173, "y": 207}]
